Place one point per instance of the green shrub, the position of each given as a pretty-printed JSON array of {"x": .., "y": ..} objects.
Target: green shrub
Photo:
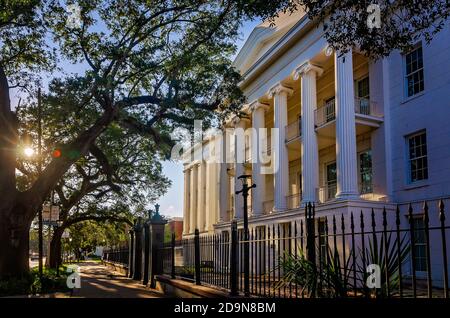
[{"x": 32, "y": 283}]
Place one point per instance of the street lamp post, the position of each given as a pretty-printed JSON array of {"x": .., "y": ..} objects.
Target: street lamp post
[
  {"x": 56, "y": 225},
  {"x": 245, "y": 191}
]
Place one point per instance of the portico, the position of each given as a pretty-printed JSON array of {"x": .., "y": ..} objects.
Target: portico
[
  {"x": 303, "y": 141},
  {"x": 307, "y": 134},
  {"x": 316, "y": 133}
]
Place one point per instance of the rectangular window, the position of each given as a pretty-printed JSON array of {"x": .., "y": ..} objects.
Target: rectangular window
[
  {"x": 420, "y": 257},
  {"x": 330, "y": 109},
  {"x": 364, "y": 88},
  {"x": 331, "y": 186},
  {"x": 322, "y": 241},
  {"x": 414, "y": 72},
  {"x": 417, "y": 152},
  {"x": 363, "y": 93},
  {"x": 365, "y": 172}
]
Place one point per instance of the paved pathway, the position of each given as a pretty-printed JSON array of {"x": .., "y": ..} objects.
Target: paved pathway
[{"x": 97, "y": 281}]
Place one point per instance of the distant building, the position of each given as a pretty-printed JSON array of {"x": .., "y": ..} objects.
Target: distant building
[{"x": 175, "y": 225}]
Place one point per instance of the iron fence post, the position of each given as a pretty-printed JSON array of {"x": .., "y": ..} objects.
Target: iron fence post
[
  {"x": 426, "y": 221},
  {"x": 197, "y": 256},
  {"x": 233, "y": 259},
  {"x": 137, "y": 261},
  {"x": 246, "y": 246},
  {"x": 413, "y": 251},
  {"x": 146, "y": 250},
  {"x": 310, "y": 234},
  {"x": 444, "y": 245}
]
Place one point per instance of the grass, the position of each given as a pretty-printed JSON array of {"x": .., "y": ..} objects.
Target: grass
[{"x": 32, "y": 283}]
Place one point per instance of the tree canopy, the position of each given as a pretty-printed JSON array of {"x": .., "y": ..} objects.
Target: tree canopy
[
  {"x": 345, "y": 22},
  {"x": 147, "y": 67}
]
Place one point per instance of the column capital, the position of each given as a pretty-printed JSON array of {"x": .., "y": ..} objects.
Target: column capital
[
  {"x": 236, "y": 120},
  {"x": 187, "y": 169},
  {"x": 279, "y": 88},
  {"x": 255, "y": 105},
  {"x": 305, "y": 68},
  {"x": 192, "y": 165}
]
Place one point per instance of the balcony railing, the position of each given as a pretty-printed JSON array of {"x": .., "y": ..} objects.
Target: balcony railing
[
  {"x": 293, "y": 130},
  {"x": 327, "y": 113},
  {"x": 365, "y": 187},
  {"x": 268, "y": 206},
  {"x": 327, "y": 192},
  {"x": 293, "y": 201},
  {"x": 363, "y": 106}
]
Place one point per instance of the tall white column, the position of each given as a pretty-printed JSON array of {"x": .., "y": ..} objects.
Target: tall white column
[
  {"x": 201, "y": 196},
  {"x": 224, "y": 191},
  {"x": 210, "y": 195},
  {"x": 347, "y": 185},
  {"x": 258, "y": 122},
  {"x": 309, "y": 148},
  {"x": 280, "y": 95},
  {"x": 239, "y": 155},
  {"x": 193, "y": 194},
  {"x": 187, "y": 206}
]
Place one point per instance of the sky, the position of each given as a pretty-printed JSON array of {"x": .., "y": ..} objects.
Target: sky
[{"x": 172, "y": 202}]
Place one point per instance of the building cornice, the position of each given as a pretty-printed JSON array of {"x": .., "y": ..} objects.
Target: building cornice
[{"x": 299, "y": 29}]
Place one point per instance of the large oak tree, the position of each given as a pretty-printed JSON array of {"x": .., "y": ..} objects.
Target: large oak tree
[{"x": 151, "y": 66}]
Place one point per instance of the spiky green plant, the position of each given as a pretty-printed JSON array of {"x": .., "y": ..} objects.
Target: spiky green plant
[
  {"x": 396, "y": 255},
  {"x": 298, "y": 270},
  {"x": 328, "y": 279},
  {"x": 334, "y": 276}
]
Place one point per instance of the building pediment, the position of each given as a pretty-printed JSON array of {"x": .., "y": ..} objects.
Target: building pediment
[{"x": 263, "y": 37}]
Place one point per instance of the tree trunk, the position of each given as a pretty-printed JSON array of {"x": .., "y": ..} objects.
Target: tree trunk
[
  {"x": 55, "y": 248},
  {"x": 14, "y": 240}
]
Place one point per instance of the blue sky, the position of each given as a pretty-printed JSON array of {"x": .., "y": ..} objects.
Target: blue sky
[{"x": 172, "y": 202}]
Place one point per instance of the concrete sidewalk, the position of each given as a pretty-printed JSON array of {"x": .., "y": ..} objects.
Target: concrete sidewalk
[{"x": 97, "y": 281}]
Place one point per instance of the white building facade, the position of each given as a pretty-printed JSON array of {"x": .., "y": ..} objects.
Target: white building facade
[{"x": 352, "y": 134}]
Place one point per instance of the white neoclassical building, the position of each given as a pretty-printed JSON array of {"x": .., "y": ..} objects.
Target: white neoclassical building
[{"x": 353, "y": 134}]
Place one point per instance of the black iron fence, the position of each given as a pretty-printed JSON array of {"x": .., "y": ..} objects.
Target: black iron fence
[
  {"x": 117, "y": 255},
  {"x": 399, "y": 252},
  {"x": 201, "y": 259}
]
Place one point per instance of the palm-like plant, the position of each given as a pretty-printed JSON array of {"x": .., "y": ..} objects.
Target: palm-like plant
[
  {"x": 298, "y": 270},
  {"x": 332, "y": 277},
  {"x": 389, "y": 255},
  {"x": 329, "y": 279}
]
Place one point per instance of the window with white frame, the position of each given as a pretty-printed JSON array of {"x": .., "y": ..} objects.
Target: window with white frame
[
  {"x": 420, "y": 241},
  {"x": 365, "y": 172},
  {"x": 414, "y": 72},
  {"x": 417, "y": 157}
]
